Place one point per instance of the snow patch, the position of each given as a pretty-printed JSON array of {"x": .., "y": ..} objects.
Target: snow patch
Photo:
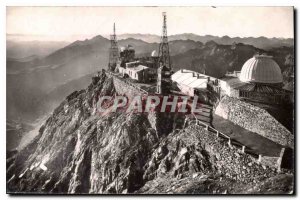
[
  {"x": 11, "y": 178},
  {"x": 21, "y": 175},
  {"x": 183, "y": 151},
  {"x": 78, "y": 143},
  {"x": 44, "y": 161},
  {"x": 43, "y": 167}
]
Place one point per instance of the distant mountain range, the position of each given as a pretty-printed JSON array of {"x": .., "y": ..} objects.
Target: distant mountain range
[
  {"x": 260, "y": 42},
  {"x": 27, "y": 49}
]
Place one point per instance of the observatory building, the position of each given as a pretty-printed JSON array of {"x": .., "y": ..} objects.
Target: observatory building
[{"x": 260, "y": 80}]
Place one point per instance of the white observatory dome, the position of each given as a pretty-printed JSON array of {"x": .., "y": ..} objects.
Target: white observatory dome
[
  {"x": 261, "y": 69},
  {"x": 154, "y": 53},
  {"x": 122, "y": 49}
]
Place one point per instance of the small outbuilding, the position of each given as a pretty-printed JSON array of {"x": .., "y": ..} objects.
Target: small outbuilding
[{"x": 139, "y": 73}]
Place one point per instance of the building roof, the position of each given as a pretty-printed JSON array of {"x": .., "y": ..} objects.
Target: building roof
[
  {"x": 134, "y": 62},
  {"x": 190, "y": 79},
  {"x": 237, "y": 84},
  {"x": 233, "y": 82},
  {"x": 154, "y": 53},
  {"x": 138, "y": 68},
  {"x": 262, "y": 89},
  {"x": 261, "y": 69}
]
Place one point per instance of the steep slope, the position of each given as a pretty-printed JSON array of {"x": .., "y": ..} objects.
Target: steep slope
[
  {"x": 79, "y": 138},
  {"x": 27, "y": 89},
  {"x": 79, "y": 151}
]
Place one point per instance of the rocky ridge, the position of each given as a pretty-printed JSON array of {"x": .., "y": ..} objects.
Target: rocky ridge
[{"x": 79, "y": 151}]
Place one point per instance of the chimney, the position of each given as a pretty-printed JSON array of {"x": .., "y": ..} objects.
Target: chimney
[
  {"x": 193, "y": 74},
  {"x": 181, "y": 70},
  {"x": 198, "y": 75},
  {"x": 208, "y": 79}
]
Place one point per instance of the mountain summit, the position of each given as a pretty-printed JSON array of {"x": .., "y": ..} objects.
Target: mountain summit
[{"x": 79, "y": 151}]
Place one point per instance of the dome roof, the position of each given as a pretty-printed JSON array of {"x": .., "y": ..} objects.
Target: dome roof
[
  {"x": 261, "y": 69},
  {"x": 122, "y": 49},
  {"x": 154, "y": 54}
]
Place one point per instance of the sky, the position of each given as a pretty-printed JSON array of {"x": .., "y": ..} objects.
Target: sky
[{"x": 69, "y": 23}]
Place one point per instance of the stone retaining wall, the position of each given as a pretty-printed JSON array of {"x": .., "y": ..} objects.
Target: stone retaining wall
[
  {"x": 123, "y": 88},
  {"x": 254, "y": 119},
  {"x": 230, "y": 160}
]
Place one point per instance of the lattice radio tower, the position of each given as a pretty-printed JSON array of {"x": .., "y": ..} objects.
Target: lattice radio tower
[
  {"x": 113, "y": 51},
  {"x": 163, "y": 52}
]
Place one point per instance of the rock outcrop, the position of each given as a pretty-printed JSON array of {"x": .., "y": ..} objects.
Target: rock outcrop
[{"x": 79, "y": 151}]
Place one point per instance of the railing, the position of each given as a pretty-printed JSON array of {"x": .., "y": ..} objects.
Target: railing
[
  {"x": 244, "y": 148},
  {"x": 230, "y": 140}
]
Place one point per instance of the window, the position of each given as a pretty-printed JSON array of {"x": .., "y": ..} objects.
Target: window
[{"x": 244, "y": 94}]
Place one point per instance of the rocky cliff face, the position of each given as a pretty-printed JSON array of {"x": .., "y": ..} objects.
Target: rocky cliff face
[{"x": 79, "y": 151}]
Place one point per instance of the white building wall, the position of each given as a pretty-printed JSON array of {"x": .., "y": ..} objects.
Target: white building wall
[
  {"x": 225, "y": 87},
  {"x": 122, "y": 70},
  {"x": 133, "y": 74}
]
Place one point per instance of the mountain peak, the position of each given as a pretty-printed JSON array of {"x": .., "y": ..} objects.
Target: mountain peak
[
  {"x": 211, "y": 43},
  {"x": 99, "y": 37},
  {"x": 226, "y": 37},
  {"x": 86, "y": 41}
]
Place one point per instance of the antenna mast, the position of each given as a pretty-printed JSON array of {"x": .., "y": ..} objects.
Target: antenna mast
[
  {"x": 164, "y": 82},
  {"x": 113, "y": 51},
  {"x": 163, "y": 52}
]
